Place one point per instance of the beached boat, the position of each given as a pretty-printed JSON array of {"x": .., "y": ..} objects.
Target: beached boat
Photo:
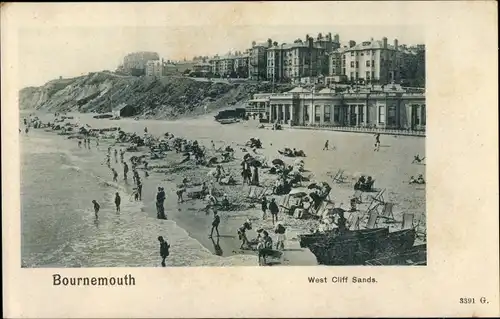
[
  {"x": 355, "y": 248},
  {"x": 306, "y": 240},
  {"x": 415, "y": 256},
  {"x": 228, "y": 121}
]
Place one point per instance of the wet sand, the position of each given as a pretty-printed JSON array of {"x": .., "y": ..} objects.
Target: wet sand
[{"x": 391, "y": 168}]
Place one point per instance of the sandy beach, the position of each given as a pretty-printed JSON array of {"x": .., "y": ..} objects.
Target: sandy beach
[{"x": 391, "y": 167}]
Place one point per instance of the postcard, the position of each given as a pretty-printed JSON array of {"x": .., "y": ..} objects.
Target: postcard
[{"x": 267, "y": 159}]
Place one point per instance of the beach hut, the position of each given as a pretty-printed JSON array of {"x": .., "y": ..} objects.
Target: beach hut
[{"x": 126, "y": 110}]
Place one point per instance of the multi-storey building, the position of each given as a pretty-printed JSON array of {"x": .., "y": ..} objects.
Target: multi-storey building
[
  {"x": 241, "y": 64},
  {"x": 257, "y": 64},
  {"x": 290, "y": 62},
  {"x": 202, "y": 67},
  {"x": 135, "y": 63},
  {"x": 154, "y": 68},
  {"x": 372, "y": 61},
  {"x": 230, "y": 65},
  {"x": 380, "y": 109}
]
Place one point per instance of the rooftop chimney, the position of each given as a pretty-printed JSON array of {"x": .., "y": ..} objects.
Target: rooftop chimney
[
  {"x": 352, "y": 43},
  {"x": 384, "y": 39},
  {"x": 396, "y": 44},
  {"x": 336, "y": 38}
]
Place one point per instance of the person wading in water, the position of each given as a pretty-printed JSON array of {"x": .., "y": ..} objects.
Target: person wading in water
[
  {"x": 160, "y": 199},
  {"x": 115, "y": 175},
  {"x": 118, "y": 201},
  {"x": 215, "y": 225},
  {"x": 164, "y": 250},
  {"x": 125, "y": 170},
  {"x": 96, "y": 208}
]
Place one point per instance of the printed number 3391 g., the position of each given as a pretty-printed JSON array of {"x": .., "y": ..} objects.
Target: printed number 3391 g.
[{"x": 467, "y": 300}]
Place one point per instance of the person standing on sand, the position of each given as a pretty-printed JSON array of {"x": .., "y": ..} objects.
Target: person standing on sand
[
  {"x": 118, "y": 201},
  {"x": 242, "y": 233},
  {"x": 109, "y": 150},
  {"x": 115, "y": 175},
  {"x": 164, "y": 250},
  {"x": 215, "y": 225},
  {"x": 122, "y": 152},
  {"x": 377, "y": 142},
  {"x": 255, "y": 176},
  {"x": 96, "y": 208},
  {"x": 280, "y": 231},
  {"x": 125, "y": 170},
  {"x": 139, "y": 189},
  {"x": 79, "y": 143},
  {"x": 325, "y": 148},
  {"x": 97, "y": 141},
  {"x": 264, "y": 207},
  {"x": 273, "y": 208},
  {"x": 116, "y": 155}
]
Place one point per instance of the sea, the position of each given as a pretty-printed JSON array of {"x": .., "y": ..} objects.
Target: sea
[{"x": 59, "y": 180}]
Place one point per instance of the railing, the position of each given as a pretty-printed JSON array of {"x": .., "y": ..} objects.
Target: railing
[{"x": 420, "y": 133}]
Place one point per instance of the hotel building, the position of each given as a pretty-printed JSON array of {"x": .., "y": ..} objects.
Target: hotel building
[{"x": 390, "y": 109}]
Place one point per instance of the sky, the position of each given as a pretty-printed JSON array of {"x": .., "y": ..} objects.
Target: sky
[{"x": 67, "y": 51}]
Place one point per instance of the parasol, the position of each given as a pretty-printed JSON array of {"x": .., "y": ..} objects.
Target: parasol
[
  {"x": 298, "y": 192},
  {"x": 255, "y": 163},
  {"x": 278, "y": 161},
  {"x": 313, "y": 185}
]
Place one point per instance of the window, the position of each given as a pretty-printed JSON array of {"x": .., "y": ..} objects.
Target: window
[
  {"x": 422, "y": 114},
  {"x": 352, "y": 53},
  {"x": 326, "y": 115},
  {"x": 373, "y": 63},
  {"x": 352, "y": 64},
  {"x": 317, "y": 114},
  {"x": 306, "y": 113},
  {"x": 336, "y": 113},
  {"x": 391, "y": 115},
  {"x": 352, "y": 75},
  {"x": 357, "y": 75},
  {"x": 367, "y": 75},
  {"x": 373, "y": 74},
  {"x": 357, "y": 64},
  {"x": 362, "y": 54},
  {"x": 381, "y": 114},
  {"x": 368, "y": 63},
  {"x": 361, "y": 110}
]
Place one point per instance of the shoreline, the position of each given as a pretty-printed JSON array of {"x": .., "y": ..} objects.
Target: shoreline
[{"x": 195, "y": 222}]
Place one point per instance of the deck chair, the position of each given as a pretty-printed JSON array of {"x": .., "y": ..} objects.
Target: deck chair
[
  {"x": 387, "y": 212},
  {"x": 421, "y": 230},
  {"x": 408, "y": 219},
  {"x": 284, "y": 204},
  {"x": 354, "y": 223},
  {"x": 372, "y": 220},
  {"x": 358, "y": 195},
  {"x": 339, "y": 176},
  {"x": 377, "y": 200}
]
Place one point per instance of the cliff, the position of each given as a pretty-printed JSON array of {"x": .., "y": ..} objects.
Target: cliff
[{"x": 169, "y": 97}]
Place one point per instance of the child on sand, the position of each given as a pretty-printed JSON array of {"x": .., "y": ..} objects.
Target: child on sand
[
  {"x": 164, "y": 250},
  {"x": 264, "y": 207}
]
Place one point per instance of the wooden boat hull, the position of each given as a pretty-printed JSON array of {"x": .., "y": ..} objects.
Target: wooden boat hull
[
  {"x": 357, "y": 249},
  {"x": 415, "y": 256},
  {"x": 308, "y": 239}
]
